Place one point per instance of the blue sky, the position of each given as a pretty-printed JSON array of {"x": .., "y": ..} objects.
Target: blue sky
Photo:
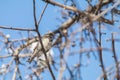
[{"x": 19, "y": 13}]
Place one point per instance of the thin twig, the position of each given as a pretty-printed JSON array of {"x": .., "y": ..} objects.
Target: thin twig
[
  {"x": 42, "y": 14},
  {"x": 63, "y": 6},
  {"x": 115, "y": 58},
  {"x": 21, "y": 29},
  {"x": 101, "y": 54},
  {"x": 15, "y": 73},
  {"x": 39, "y": 36}
]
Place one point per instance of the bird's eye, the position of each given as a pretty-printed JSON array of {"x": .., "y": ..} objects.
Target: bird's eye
[{"x": 51, "y": 36}]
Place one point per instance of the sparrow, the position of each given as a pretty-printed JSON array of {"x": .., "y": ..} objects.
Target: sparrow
[{"x": 47, "y": 43}]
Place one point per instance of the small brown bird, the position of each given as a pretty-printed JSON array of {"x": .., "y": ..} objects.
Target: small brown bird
[{"x": 47, "y": 43}]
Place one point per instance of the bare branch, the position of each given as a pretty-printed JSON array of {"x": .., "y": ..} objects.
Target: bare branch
[
  {"x": 40, "y": 41},
  {"x": 21, "y": 29}
]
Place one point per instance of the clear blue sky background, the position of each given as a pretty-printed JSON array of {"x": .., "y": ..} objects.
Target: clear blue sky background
[{"x": 19, "y": 13}]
